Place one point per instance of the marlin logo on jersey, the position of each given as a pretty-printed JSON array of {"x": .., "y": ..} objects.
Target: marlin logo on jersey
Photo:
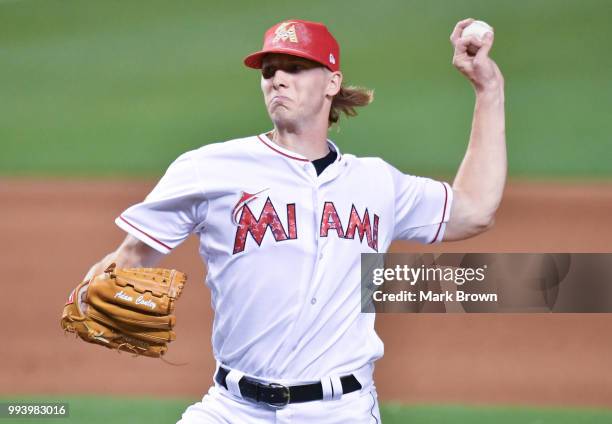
[
  {"x": 257, "y": 227},
  {"x": 244, "y": 199},
  {"x": 330, "y": 220}
]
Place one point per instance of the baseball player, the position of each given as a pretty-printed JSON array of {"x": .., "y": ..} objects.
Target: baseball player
[{"x": 282, "y": 219}]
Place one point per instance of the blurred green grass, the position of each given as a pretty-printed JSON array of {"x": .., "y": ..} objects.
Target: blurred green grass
[
  {"x": 104, "y": 410},
  {"x": 122, "y": 87}
]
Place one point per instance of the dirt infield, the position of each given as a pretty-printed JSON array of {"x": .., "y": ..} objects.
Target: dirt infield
[{"x": 53, "y": 230}]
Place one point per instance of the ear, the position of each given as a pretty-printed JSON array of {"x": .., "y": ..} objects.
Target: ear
[{"x": 334, "y": 83}]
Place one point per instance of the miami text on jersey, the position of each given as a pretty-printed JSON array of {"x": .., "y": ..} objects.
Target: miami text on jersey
[{"x": 330, "y": 220}]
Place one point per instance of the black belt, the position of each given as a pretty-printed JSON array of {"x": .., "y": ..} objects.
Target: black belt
[{"x": 278, "y": 395}]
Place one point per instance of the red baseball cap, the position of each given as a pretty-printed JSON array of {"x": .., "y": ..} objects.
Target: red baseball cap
[{"x": 310, "y": 40}]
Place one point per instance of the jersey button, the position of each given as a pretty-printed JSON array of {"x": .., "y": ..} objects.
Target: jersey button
[{"x": 313, "y": 300}]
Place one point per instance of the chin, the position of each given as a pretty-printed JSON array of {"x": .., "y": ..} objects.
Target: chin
[{"x": 281, "y": 119}]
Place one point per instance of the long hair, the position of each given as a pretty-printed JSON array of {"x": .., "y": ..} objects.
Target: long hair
[{"x": 347, "y": 99}]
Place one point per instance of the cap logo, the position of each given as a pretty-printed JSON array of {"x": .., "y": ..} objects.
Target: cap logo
[
  {"x": 332, "y": 59},
  {"x": 285, "y": 32}
]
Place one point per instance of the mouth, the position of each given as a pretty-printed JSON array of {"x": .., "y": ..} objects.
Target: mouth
[{"x": 279, "y": 100}]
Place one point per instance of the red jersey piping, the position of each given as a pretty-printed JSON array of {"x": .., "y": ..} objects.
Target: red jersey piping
[
  {"x": 148, "y": 235},
  {"x": 443, "y": 213},
  {"x": 282, "y": 153}
]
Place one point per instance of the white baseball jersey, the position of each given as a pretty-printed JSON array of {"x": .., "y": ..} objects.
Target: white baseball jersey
[{"x": 283, "y": 248}]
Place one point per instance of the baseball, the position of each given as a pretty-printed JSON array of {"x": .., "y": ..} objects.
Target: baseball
[{"x": 477, "y": 29}]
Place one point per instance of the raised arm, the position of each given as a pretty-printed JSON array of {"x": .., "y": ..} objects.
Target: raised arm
[
  {"x": 479, "y": 183},
  {"x": 132, "y": 253}
]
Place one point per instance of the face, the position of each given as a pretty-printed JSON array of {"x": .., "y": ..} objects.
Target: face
[{"x": 296, "y": 90}]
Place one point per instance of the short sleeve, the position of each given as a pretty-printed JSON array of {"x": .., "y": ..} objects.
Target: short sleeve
[
  {"x": 422, "y": 207},
  {"x": 174, "y": 209}
]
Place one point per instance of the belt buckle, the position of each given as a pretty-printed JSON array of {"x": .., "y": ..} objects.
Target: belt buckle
[{"x": 286, "y": 395}]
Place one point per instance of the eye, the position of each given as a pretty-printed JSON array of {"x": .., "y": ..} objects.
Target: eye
[
  {"x": 294, "y": 68},
  {"x": 268, "y": 72}
]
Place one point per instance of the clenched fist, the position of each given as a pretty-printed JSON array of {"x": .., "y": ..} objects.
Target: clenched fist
[{"x": 480, "y": 69}]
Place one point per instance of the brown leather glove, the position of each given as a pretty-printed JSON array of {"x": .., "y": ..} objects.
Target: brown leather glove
[{"x": 126, "y": 309}]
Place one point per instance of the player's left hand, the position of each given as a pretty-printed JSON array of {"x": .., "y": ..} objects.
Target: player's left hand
[
  {"x": 129, "y": 309},
  {"x": 480, "y": 69}
]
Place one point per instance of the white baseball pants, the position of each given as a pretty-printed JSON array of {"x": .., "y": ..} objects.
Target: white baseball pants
[{"x": 221, "y": 406}]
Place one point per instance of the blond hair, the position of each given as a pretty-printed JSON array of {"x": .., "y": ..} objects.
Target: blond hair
[{"x": 347, "y": 99}]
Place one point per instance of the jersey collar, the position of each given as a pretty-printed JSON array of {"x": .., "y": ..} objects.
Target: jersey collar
[{"x": 263, "y": 138}]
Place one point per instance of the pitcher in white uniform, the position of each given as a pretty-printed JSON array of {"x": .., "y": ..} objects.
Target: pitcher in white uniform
[{"x": 282, "y": 219}]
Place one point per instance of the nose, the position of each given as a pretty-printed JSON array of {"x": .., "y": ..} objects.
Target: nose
[{"x": 279, "y": 79}]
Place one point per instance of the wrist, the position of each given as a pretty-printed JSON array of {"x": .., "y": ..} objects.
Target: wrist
[
  {"x": 490, "y": 92},
  {"x": 490, "y": 89}
]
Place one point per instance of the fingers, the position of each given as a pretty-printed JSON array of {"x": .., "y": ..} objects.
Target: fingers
[
  {"x": 456, "y": 34},
  {"x": 485, "y": 47},
  {"x": 462, "y": 44}
]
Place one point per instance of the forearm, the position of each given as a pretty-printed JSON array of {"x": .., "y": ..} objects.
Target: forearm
[
  {"x": 482, "y": 174},
  {"x": 132, "y": 253}
]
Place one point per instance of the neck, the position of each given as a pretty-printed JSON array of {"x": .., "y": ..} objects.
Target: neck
[{"x": 310, "y": 142}]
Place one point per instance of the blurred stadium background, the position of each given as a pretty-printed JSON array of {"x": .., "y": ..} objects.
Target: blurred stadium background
[{"x": 98, "y": 97}]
